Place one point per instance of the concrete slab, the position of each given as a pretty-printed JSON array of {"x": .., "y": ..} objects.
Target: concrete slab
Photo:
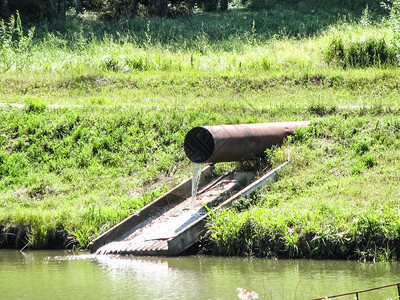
[{"x": 174, "y": 222}]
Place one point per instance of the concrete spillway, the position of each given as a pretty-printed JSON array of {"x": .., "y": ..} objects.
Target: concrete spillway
[{"x": 173, "y": 223}]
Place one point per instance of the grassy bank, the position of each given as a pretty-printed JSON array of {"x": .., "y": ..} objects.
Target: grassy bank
[
  {"x": 339, "y": 198},
  {"x": 84, "y": 169},
  {"x": 141, "y": 84}
]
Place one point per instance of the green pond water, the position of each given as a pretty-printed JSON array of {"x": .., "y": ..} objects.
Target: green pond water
[{"x": 60, "y": 275}]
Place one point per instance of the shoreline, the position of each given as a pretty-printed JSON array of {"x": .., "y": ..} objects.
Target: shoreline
[{"x": 17, "y": 238}]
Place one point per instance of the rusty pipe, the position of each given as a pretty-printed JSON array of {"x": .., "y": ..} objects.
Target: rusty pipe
[{"x": 223, "y": 143}]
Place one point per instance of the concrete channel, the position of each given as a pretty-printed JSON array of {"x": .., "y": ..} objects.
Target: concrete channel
[{"x": 173, "y": 223}]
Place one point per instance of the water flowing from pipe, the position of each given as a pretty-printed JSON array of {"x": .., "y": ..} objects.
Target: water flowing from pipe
[{"x": 197, "y": 167}]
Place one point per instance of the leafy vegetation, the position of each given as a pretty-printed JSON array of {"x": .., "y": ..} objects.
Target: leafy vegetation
[
  {"x": 95, "y": 114},
  {"x": 14, "y": 44}
]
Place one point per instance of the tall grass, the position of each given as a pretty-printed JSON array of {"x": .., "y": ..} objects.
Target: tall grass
[
  {"x": 360, "y": 45},
  {"x": 14, "y": 44},
  {"x": 233, "y": 42}
]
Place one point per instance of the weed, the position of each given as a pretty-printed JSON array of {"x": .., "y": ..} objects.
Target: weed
[
  {"x": 366, "y": 48},
  {"x": 394, "y": 21},
  {"x": 14, "y": 44},
  {"x": 35, "y": 106}
]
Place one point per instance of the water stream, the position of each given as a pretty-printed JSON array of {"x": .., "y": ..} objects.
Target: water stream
[
  {"x": 197, "y": 167},
  {"x": 59, "y": 275}
]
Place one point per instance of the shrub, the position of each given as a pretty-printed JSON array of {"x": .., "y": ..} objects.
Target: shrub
[
  {"x": 14, "y": 44},
  {"x": 371, "y": 52},
  {"x": 35, "y": 106},
  {"x": 120, "y": 8},
  {"x": 359, "y": 45},
  {"x": 393, "y": 6},
  {"x": 349, "y": 4}
]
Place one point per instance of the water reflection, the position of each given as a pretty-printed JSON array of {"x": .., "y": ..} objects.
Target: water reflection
[
  {"x": 58, "y": 275},
  {"x": 283, "y": 279}
]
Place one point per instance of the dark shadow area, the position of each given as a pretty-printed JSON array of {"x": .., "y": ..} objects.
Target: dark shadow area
[{"x": 226, "y": 31}]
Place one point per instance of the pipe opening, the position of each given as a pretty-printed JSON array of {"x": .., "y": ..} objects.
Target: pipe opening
[{"x": 199, "y": 145}]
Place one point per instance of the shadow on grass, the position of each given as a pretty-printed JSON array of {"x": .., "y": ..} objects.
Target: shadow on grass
[{"x": 221, "y": 30}]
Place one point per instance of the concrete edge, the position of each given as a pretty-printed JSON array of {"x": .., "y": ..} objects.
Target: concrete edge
[
  {"x": 190, "y": 235},
  {"x": 117, "y": 231}
]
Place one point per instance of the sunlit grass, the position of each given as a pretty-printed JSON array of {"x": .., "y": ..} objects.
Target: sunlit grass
[{"x": 142, "y": 84}]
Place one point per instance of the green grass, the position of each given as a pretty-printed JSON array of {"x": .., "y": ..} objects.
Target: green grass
[
  {"x": 143, "y": 83},
  {"x": 338, "y": 199},
  {"x": 84, "y": 169}
]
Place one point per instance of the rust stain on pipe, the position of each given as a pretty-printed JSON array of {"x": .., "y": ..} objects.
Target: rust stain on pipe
[{"x": 223, "y": 143}]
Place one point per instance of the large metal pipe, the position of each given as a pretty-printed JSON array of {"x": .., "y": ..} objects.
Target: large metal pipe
[{"x": 223, "y": 143}]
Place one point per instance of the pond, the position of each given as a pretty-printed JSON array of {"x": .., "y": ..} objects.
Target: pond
[{"x": 61, "y": 275}]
